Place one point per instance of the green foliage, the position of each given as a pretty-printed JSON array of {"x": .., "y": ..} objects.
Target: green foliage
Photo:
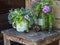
[
  {"x": 17, "y": 15},
  {"x": 48, "y": 17}
]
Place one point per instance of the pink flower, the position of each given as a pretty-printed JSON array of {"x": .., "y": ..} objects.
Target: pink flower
[
  {"x": 26, "y": 17},
  {"x": 46, "y": 9}
]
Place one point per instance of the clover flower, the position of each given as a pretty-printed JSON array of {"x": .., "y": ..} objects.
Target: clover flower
[
  {"x": 26, "y": 17},
  {"x": 46, "y": 9}
]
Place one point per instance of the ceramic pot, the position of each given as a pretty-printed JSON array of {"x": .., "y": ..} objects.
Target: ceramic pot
[{"x": 22, "y": 26}]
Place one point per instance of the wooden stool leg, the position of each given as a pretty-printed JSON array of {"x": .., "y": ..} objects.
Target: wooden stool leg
[
  {"x": 59, "y": 42},
  {"x": 6, "y": 41}
]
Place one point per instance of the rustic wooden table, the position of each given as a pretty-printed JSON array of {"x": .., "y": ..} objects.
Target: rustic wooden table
[{"x": 31, "y": 38}]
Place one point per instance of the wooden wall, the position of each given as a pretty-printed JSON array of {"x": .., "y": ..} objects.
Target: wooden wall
[{"x": 5, "y": 6}]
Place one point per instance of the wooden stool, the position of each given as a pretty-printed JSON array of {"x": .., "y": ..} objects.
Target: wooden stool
[{"x": 31, "y": 38}]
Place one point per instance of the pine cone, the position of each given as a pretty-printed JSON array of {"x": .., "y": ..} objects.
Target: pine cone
[{"x": 36, "y": 28}]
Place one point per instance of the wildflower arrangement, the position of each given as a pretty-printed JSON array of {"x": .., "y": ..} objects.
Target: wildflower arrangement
[
  {"x": 41, "y": 13},
  {"x": 45, "y": 6},
  {"x": 19, "y": 15},
  {"x": 44, "y": 9}
]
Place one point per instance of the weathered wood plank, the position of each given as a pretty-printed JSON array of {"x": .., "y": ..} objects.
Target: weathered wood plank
[
  {"x": 27, "y": 3},
  {"x": 37, "y": 38},
  {"x": 17, "y": 39},
  {"x": 59, "y": 42},
  {"x": 30, "y": 44},
  {"x": 6, "y": 41}
]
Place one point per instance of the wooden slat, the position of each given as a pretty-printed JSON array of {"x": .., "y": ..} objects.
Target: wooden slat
[
  {"x": 5, "y": 5},
  {"x": 57, "y": 23},
  {"x": 16, "y": 3},
  {"x": 5, "y": 26},
  {"x": 3, "y": 18},
  {"x": 4, "y": 21},
  {"x": 27, "y": 3},
  {"x": 56, "y": 7}
]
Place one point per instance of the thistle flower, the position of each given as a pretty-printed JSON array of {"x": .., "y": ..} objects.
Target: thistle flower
[
  {"x": 46, "y": 9},
  {"x": 26, "y": 17}
]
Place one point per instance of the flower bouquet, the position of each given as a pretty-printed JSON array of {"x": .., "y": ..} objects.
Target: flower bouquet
[
  {"x": 40, "y": 16},
  {"x": 43, "y": 10},
  {"x": 20, "y": 19}
]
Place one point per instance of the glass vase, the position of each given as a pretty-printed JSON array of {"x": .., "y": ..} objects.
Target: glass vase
[{"x": 41, "y": 23}]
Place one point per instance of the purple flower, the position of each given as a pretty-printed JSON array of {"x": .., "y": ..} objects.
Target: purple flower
[
  {"x": 46, "y": 9},
  {"x": 26, "y": 17}
]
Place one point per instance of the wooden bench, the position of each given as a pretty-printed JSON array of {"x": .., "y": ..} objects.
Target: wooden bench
[{"x": 31, "y": 38}]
